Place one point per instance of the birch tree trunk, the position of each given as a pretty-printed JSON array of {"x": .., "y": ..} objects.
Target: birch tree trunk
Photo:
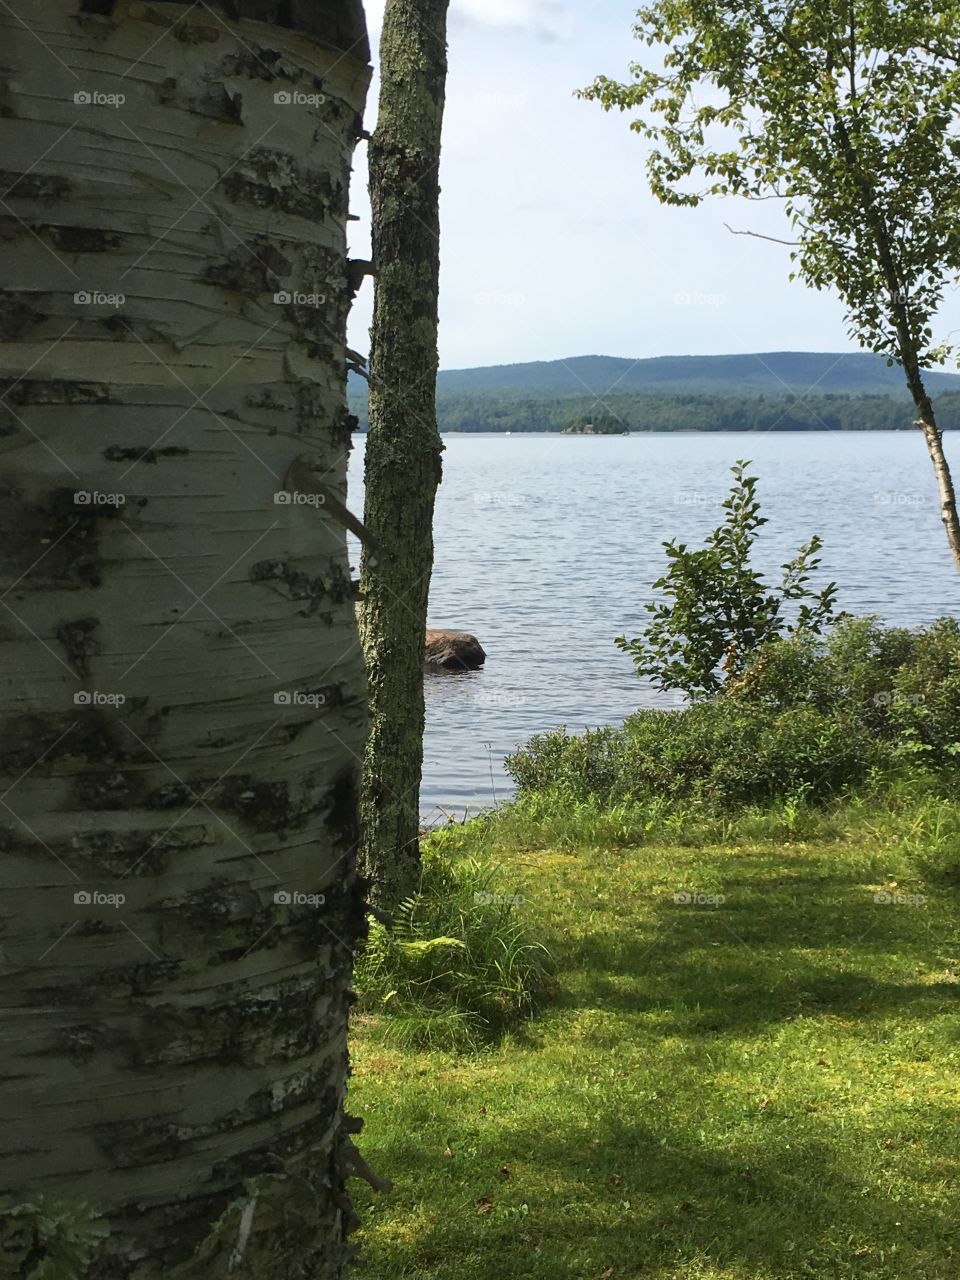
[
  {"x": 933, "y": 438},
  {"x": 403, "y": 466},
  {"x": 908, "y": 349},
  {"x": 182, "y": 699}
]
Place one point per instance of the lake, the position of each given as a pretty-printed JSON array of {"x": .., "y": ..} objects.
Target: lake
[{"x": 546, "y": 546}]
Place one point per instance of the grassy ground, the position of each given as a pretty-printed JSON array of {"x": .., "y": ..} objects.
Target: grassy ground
[{"x": 761, "y": 1086}]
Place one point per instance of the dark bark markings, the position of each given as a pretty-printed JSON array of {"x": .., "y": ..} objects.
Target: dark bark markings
[{"x": 403, "y": 458}]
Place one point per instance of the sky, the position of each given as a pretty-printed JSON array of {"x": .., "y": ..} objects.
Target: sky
[{"x": 551, "y": 243}]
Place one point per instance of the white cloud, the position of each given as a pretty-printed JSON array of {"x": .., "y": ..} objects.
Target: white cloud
[
  {"x": 548, "y": 19},
  {"x": 545, "y": 19}
]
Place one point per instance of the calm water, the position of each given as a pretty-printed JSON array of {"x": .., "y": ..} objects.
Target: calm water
[{"x": 546, "y": 546}]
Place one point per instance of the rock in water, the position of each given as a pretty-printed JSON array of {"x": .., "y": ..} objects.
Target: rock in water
[{"x": 453, "y": 651}]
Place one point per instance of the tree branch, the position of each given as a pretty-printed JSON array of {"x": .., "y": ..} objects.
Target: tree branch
[{"x": 793, "y": 244}]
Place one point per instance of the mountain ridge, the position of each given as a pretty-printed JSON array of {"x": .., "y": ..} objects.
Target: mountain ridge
[
  {"x": 767, "y": 372},
  {"x": 752, "y": 373}
]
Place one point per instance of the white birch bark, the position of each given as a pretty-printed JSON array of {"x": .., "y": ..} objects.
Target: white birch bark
[{"x": 177, "y": 1059}]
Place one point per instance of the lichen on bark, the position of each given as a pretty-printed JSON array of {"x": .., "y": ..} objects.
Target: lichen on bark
[{"x": 403, "y": 449}]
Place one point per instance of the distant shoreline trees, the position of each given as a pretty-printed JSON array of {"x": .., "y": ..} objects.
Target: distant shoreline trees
[
  {"x": 693, "y": 412},
  {"x": 596, "y": 424}
]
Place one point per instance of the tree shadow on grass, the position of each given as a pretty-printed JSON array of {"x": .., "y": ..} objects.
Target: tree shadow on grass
[
  {"x": 628, "y": 1195},
  {"x": 775, "y": 946},
  {"x": 619, "y": 1182}
]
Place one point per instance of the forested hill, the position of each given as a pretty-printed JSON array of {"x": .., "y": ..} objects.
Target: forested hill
[
  {"x": 783, "y": 390},
  {"x": 772, "y": 372}
]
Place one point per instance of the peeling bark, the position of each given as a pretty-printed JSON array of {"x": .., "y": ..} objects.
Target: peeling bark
[
  {"x": 180, "y": 729},
  {"x": 403, "y": 458}
]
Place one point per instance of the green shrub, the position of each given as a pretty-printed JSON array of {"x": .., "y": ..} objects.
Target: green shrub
[
  {"x": 904, "y": 686},
  {"x": 580, "y": 766},
  {"x": 925, "y": 705},
  {"x": 717, "y": 611},
  {"x": 809, "y": 718},
  {"x": 458, "y": 967},
  {"x": 715, "y": 753}
]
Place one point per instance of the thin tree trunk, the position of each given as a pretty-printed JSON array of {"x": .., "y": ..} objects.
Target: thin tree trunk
[
  {"x": 182, "y": 706},
  {"x": 926, "y": 419},
  {"x": 927, "y": 423},
  {"x": 403, "y": 465},
  {"x": 907, "y": 348}
]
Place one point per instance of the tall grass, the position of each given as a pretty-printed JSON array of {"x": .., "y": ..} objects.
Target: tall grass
[
  {"x": 459, "y": 966},
  {"x": 914, "y": 810}
]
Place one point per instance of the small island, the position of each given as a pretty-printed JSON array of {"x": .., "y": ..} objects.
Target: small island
[{"x": 604, "y": 424}]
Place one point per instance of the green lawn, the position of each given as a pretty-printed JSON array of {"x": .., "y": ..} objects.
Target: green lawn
[{"x": 758, "y": 1088}]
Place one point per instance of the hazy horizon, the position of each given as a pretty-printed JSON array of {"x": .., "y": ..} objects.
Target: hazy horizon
[{"x": 682, "y": 355}]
